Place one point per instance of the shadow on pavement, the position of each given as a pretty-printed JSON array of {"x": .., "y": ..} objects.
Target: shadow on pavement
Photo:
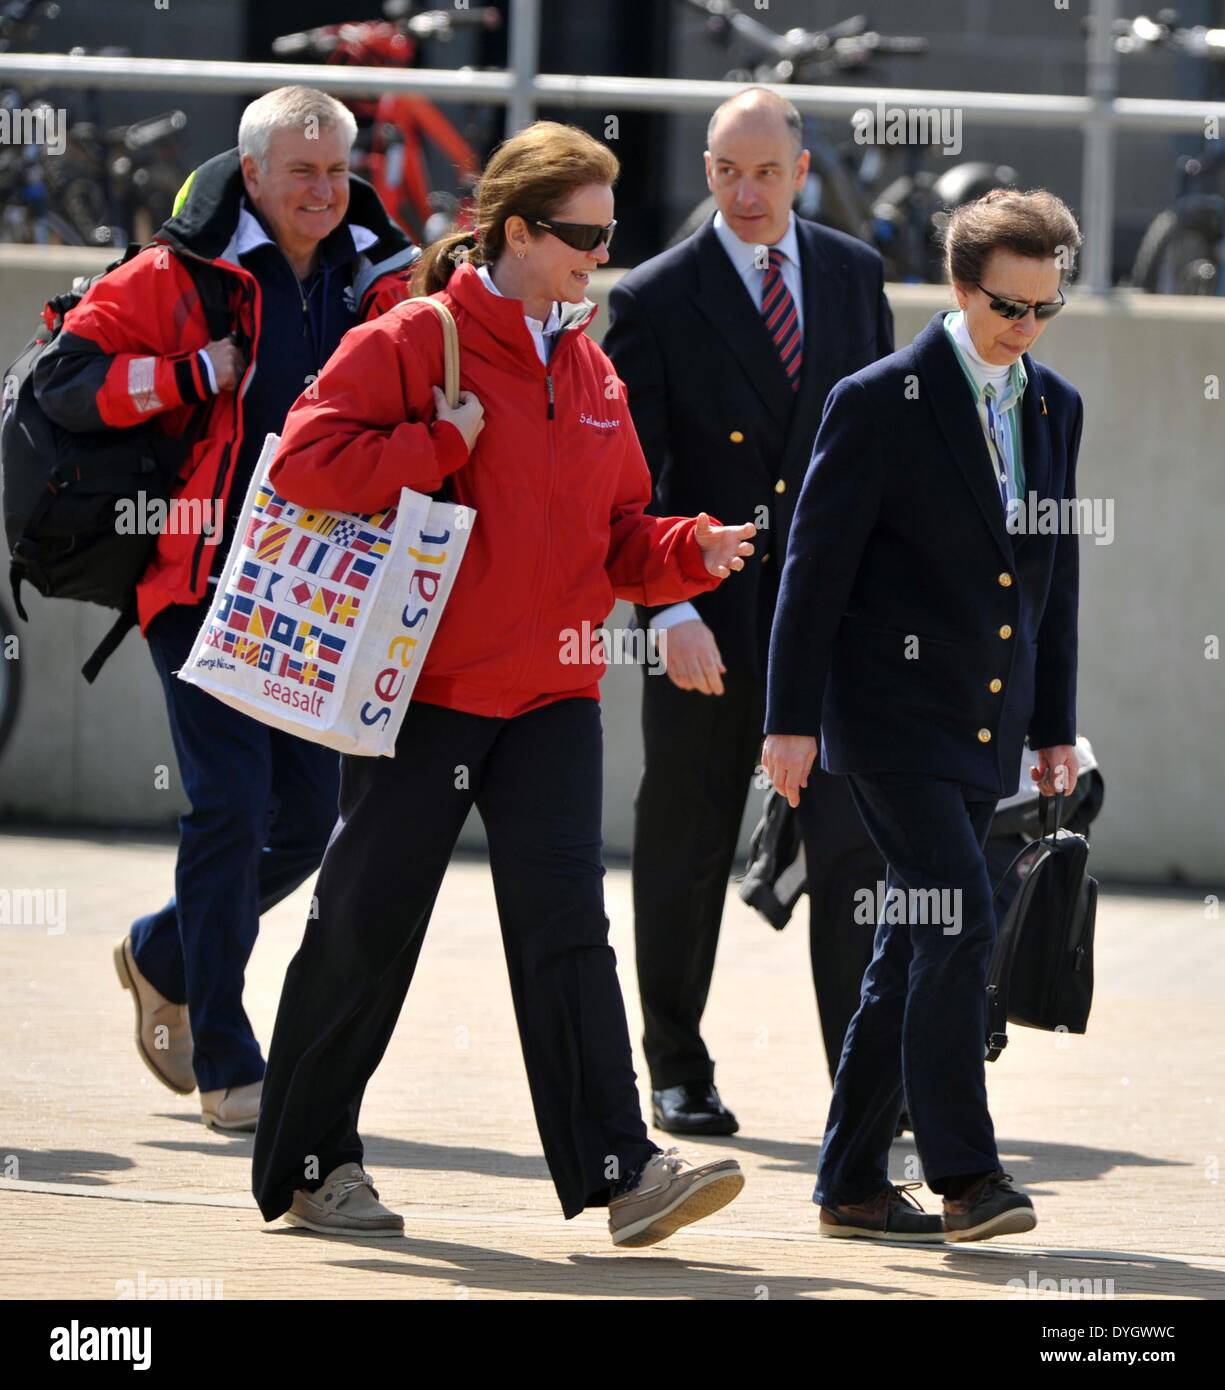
[
  {"x": 381, "y": 1152},
  {"x": 1029, "y": 1161},
  {"x": 69, "y": 1165}
]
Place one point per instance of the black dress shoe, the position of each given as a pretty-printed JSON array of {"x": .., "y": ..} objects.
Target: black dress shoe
[{"x": 692, "y": 1110}]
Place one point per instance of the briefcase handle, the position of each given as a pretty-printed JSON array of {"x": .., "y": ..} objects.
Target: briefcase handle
[{"x": 1044, "y": 806}]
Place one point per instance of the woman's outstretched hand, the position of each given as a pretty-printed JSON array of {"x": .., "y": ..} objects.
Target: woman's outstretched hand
[{"x": 723, "y": 546}]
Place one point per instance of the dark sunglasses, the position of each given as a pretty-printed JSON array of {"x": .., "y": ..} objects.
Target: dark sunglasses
[
  {"x": 1018, "y": 308},
  {"x": 583, "y": 236}
]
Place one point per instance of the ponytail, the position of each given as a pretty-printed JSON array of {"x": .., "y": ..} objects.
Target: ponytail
[{"x": 439, "y": 260}]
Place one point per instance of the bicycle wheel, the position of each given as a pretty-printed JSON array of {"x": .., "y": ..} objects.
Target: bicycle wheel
[
  {"x": 10, "y": 678},
  {"x": 1178, "y": 254}
]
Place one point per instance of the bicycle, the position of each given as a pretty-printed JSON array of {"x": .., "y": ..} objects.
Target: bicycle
[
  {"x": 846, "y": 187},
  {"x": 1183, "y": 249},
  {"x": 107, "y": 186},
  {"x": 397, "y": 130}
]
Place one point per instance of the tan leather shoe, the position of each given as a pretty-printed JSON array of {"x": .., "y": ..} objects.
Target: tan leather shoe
[
  {"x": 346, "y": 1204},
  {"x": 669, "y": 1194},
  {"x": 234, "y": 1107},
  {"x": 163, "y": 1033}
]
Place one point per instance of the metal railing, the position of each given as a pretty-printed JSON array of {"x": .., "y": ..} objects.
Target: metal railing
[{"x": 1099, "y": 114}]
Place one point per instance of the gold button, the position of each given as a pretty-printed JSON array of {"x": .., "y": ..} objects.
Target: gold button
[
  {"x": 764, "y": 558},
  {"x": 996, "y": 686},
  {"x": 780, "y": 486},
  {"x": 1005, "y": 581},
  {"x": 736, "y": 437},
  {"x": 1005, "y": 632},
  {"x": 984, "y": 735}
]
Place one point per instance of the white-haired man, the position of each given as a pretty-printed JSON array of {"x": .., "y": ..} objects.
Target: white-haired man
[{"x": 274, "y": 251}]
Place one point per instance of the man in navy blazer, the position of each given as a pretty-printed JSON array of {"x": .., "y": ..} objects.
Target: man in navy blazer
[
  {"x": 729, "y": 344},
  {"x": 925, "y": 629}
]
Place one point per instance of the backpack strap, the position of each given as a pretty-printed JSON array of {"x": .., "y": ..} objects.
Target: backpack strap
[
  {"x": 210, "y": 285},
  {"x": 114, "y": 635}
]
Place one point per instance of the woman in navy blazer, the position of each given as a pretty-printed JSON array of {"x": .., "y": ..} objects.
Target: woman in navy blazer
[{"x": 925, "y": 628}]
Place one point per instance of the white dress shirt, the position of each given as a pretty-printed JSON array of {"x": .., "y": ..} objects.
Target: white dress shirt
[
  {"x": 998, "y": 392},
  {"x": 751, "y": 262},
  {"x": 746, "y": 258},
  {"x": 538, "y": 328}
]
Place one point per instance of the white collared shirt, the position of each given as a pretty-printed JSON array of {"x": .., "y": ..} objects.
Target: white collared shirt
[
  {"x": 746, "y": 258},
  {"x": 539, "y": 329},
  {"x": 997, "y": 392}
]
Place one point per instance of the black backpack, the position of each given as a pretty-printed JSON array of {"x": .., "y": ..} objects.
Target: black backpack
[
  {"x": 62, "y": 490},
  {"x": 1041, "y": 971}
]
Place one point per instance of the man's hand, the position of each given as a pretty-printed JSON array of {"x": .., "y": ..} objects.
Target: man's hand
[
  {"x": 468, "y": 417},
  {"x": 227, "y": 362},
  {"x": 788, "y": 759},
  {"x": 691, "y": 657},
  {"x": 723, "y": 546},
  {"x": 1057, "y": 769}
]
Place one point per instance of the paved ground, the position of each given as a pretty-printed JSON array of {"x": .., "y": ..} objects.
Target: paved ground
[{"x": 106, "y": 1177}]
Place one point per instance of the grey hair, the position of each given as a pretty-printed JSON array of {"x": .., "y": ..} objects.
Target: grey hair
[
  {"x": 787, "y": 110},
  {"x": 290, "y": 108}
]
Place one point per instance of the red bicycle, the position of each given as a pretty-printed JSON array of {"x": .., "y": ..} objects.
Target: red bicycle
[{"x": 398, "y": 131}]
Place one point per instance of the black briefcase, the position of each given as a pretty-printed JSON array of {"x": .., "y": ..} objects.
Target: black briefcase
[{"x": 1041, "y": 972}]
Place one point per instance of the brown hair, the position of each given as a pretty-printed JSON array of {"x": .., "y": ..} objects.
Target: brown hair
[
  {"x": 1034, "y": 223},
  {"x": 531, "y": 174}
]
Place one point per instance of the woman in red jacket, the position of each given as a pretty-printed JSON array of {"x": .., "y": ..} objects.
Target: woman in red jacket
[{"x": 503, "y": 714}]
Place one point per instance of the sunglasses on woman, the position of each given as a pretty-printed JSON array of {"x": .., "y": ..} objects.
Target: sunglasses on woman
[
  {"x": 583, "y": 236},
  {"x": 1018, "y": 308}
]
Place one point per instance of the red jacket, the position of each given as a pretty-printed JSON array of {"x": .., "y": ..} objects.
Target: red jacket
[
  {"x": 557, "y": 479},
  {"x": 128, "y": 352}
]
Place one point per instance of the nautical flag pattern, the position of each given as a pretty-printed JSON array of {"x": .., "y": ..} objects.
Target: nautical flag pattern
[
  {"x": 295, "y": 596},
  {"x": 276, "y": 508}
]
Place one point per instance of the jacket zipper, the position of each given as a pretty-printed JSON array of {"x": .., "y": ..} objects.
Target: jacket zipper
[{"x": 550, "y": 415}]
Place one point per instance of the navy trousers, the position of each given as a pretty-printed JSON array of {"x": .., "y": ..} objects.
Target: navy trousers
[
  {"x": 263, "y": 804},
  {"x": 536, "y": 782},
  {"x": 921, "y": 1021}
]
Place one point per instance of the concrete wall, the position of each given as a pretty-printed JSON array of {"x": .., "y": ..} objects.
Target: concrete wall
[{"x": 1151, "y": 702}]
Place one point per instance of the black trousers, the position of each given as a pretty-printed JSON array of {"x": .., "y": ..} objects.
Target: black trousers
[
  {"x": 920, "y": 1027},
  {"x": 536, "y": 781},
  {"x": 701, "y": 753}
]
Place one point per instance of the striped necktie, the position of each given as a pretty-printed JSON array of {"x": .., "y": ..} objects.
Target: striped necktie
[{"x": 782, "y": 321}]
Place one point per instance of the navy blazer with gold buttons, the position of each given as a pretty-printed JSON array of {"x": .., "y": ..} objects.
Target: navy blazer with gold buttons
[{"x": 916, "y": 630}]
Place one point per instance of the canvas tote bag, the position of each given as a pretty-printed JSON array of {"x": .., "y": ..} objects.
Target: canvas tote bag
[{"x": 322, "y": 620}]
